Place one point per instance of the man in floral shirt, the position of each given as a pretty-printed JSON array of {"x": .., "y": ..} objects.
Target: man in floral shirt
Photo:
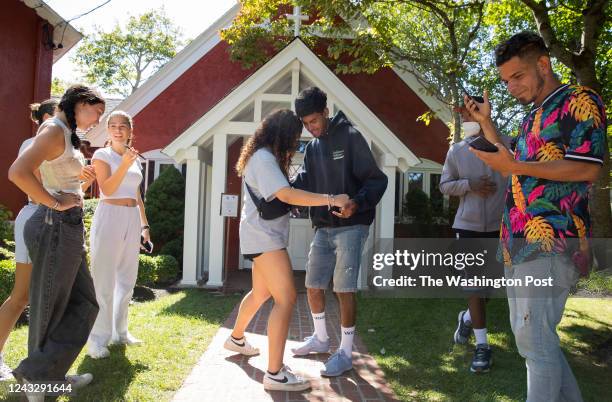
[{"x": 557, "y": 155}]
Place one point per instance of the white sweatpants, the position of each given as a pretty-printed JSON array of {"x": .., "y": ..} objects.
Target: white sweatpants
[{"x": 115, "y": 245}]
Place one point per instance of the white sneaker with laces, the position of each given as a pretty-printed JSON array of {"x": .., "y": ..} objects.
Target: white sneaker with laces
[
  {"x": 128, "y": 340},
  {"x": 78, "y": 381},
  {"x": 6, "y": 374},
  {"x": 285, "y": 380},
  {"x": 240, "y": 346},
  {"x": 97, "y": 351}
]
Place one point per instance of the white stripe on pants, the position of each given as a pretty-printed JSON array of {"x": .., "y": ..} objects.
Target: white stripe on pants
[{"x": 115, "y": 245}]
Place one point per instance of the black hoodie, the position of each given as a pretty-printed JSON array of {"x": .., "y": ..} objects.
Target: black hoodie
[{"x": 341, "y": 162}]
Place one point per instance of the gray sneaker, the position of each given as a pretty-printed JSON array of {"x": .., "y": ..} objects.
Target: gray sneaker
[
  {"x": 463, "y": 331},
  {"x": 311, "y": 344}
]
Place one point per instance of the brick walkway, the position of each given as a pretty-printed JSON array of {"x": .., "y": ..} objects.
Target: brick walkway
[{"x": 221, "y": 375}]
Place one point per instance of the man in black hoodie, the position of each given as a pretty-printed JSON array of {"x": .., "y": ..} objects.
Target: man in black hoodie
[{"x": 337, "y": 161}]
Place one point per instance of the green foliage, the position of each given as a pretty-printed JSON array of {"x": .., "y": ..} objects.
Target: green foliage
[
  {"x": 8, "y": 252},
  {"x": 174, "y": 248},
  {"x": 6, "y": 227},
  {"x": 7, "y": 278},
  {"x": 89, "y": 207},
  {"x": 417, "y": 205},
  {"x": 598, "y": 282},
  {"x": 58, "y": 86},
  {"x": 156, "y": 270},
  {"x": 121, "y": 60},
  {"x": 165, "y": 206}
]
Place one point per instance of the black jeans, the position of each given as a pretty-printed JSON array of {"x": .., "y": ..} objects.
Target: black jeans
[{"x": 63, "y": 304}]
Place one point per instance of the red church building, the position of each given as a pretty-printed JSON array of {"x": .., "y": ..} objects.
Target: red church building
[
  {"x": 196, "y": 111},
  {"x": 32, "y": 38}
]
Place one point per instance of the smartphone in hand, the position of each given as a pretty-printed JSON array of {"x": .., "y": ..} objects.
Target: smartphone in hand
[
  {"x": 481, "y": 143},
  {"x": 146, "y": 245}
]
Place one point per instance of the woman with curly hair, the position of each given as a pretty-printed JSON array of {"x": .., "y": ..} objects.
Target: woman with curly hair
[
  {"x": 63, "y": 303},
  {"x": 263, "y": 164}
]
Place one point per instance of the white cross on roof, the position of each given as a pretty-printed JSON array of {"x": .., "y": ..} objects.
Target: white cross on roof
[{"x": 297, "y": 18}]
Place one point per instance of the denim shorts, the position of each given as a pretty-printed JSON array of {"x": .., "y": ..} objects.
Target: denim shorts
[{"x": 336, "y": 252}]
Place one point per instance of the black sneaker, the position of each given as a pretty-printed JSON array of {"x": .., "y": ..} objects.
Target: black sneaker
[
  {"x": 483, "y": 359},
  {"x": 464, "y": 329}
]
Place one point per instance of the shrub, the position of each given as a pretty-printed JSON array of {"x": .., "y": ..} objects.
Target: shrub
[
  {"x": 89, "y": 207},
  {"x": 174, "y": 248},
  {"x": 6, "y": 227},
  {"x": 7, "y": 278},
  {"x": 165, "y": 206},
  {"x": 417, "y": 205},
  {"x": 156, "y": 270}
]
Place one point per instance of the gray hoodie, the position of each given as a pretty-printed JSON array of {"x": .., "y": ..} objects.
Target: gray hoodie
[{"x": 475, "y": 213}]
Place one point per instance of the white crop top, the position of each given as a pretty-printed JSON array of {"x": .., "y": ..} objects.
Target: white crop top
[
  {"x": 62, "y": 173},
  {"x": 131, "y": 181}
]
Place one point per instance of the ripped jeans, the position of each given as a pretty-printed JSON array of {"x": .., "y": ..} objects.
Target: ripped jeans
[{"x": 535, "y": 312}]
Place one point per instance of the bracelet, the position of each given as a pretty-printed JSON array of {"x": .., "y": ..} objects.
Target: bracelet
[
  {"x": 333, "y": 200},
  {"x": 57, "y": 204},
  {"x": 328, "y": 202}
]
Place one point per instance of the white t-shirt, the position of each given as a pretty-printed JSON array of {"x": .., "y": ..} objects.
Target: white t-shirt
[
  {"x": 131, "y": 181},
  {"x": 265, "y": 178}
]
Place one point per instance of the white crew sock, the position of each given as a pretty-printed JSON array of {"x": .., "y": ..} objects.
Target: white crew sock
[
  {"x": 346, "y": 343},
  {"x": 467, "y": 317},
  {"x": 319, "y": 326},
  {"x": 481, "y": 336}
]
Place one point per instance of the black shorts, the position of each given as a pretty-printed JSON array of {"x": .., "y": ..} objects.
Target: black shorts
[{"x": 251, "y": 257}]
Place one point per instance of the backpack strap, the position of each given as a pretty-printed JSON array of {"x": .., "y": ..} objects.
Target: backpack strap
[{"x": 257, "y": 201}]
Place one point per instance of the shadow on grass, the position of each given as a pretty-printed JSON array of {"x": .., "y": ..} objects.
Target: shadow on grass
[
  {"x": 203, "y": 305},
  {"x": 412, "y": 340},
  {"x": 112, "y": 376}
]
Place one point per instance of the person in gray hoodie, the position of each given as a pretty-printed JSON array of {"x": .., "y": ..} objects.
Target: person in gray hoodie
[{"x": 481, "y": 193}]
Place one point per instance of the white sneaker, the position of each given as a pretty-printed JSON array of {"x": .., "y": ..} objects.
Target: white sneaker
[
  {"x": 6, "y": 374},
  {"x": 97, "y": 351},
  {"x": 128, "y": 340},
  {"x": 285, "y": 380},
  {"x": 79, "y": 380},
  {"x": 241, "y": 346}
]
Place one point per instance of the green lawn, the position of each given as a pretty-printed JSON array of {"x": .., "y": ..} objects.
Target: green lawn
[
  {"x": 176, "y": 329},
  {"x": 422, "y": 363}
]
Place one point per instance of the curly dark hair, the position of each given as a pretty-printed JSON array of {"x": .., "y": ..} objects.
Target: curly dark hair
[
  {"x": 309, "y": 101},
  {"x": 38, "y": 110},
  {"x": 523, "y": 44},
  {"x": 75, "y": 94},
  {"x": 279, "y": 131}
]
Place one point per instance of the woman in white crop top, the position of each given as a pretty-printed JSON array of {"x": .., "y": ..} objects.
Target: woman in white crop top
[
  {"x": 118, "y": 224},
  {"x": 63, "y": 303}
]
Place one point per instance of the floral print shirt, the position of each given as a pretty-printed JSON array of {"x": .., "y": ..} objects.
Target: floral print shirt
[{"x": 542, "y": 217}]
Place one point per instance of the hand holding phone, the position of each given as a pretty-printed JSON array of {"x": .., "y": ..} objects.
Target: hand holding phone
[
  {"x": 147, "y": 246},
  {"x": 480, "y": 143}
]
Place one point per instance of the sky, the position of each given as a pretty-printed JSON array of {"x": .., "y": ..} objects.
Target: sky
[{"x": 191, "y": 16}]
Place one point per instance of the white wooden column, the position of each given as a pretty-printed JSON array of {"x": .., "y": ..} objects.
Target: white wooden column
[
  {"x": 194, "y": 198},
  {"x": 386, "y": 218},
  {"x": 217, "y": 222}
]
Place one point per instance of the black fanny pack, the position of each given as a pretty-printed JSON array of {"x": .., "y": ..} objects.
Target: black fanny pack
[{"x": 268, "y": 210}]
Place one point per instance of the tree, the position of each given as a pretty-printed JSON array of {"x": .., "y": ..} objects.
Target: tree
[
  {"x": 58, "y": 86},
  {"x": 579, "y": 36},
  {"x": 372, "y": 34},
  {"x": 121, "y": 60}
]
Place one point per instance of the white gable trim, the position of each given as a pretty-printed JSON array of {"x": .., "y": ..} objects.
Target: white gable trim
[
  {"x": 202, "y": 129},
  {"x": 169, "y": 73}
]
